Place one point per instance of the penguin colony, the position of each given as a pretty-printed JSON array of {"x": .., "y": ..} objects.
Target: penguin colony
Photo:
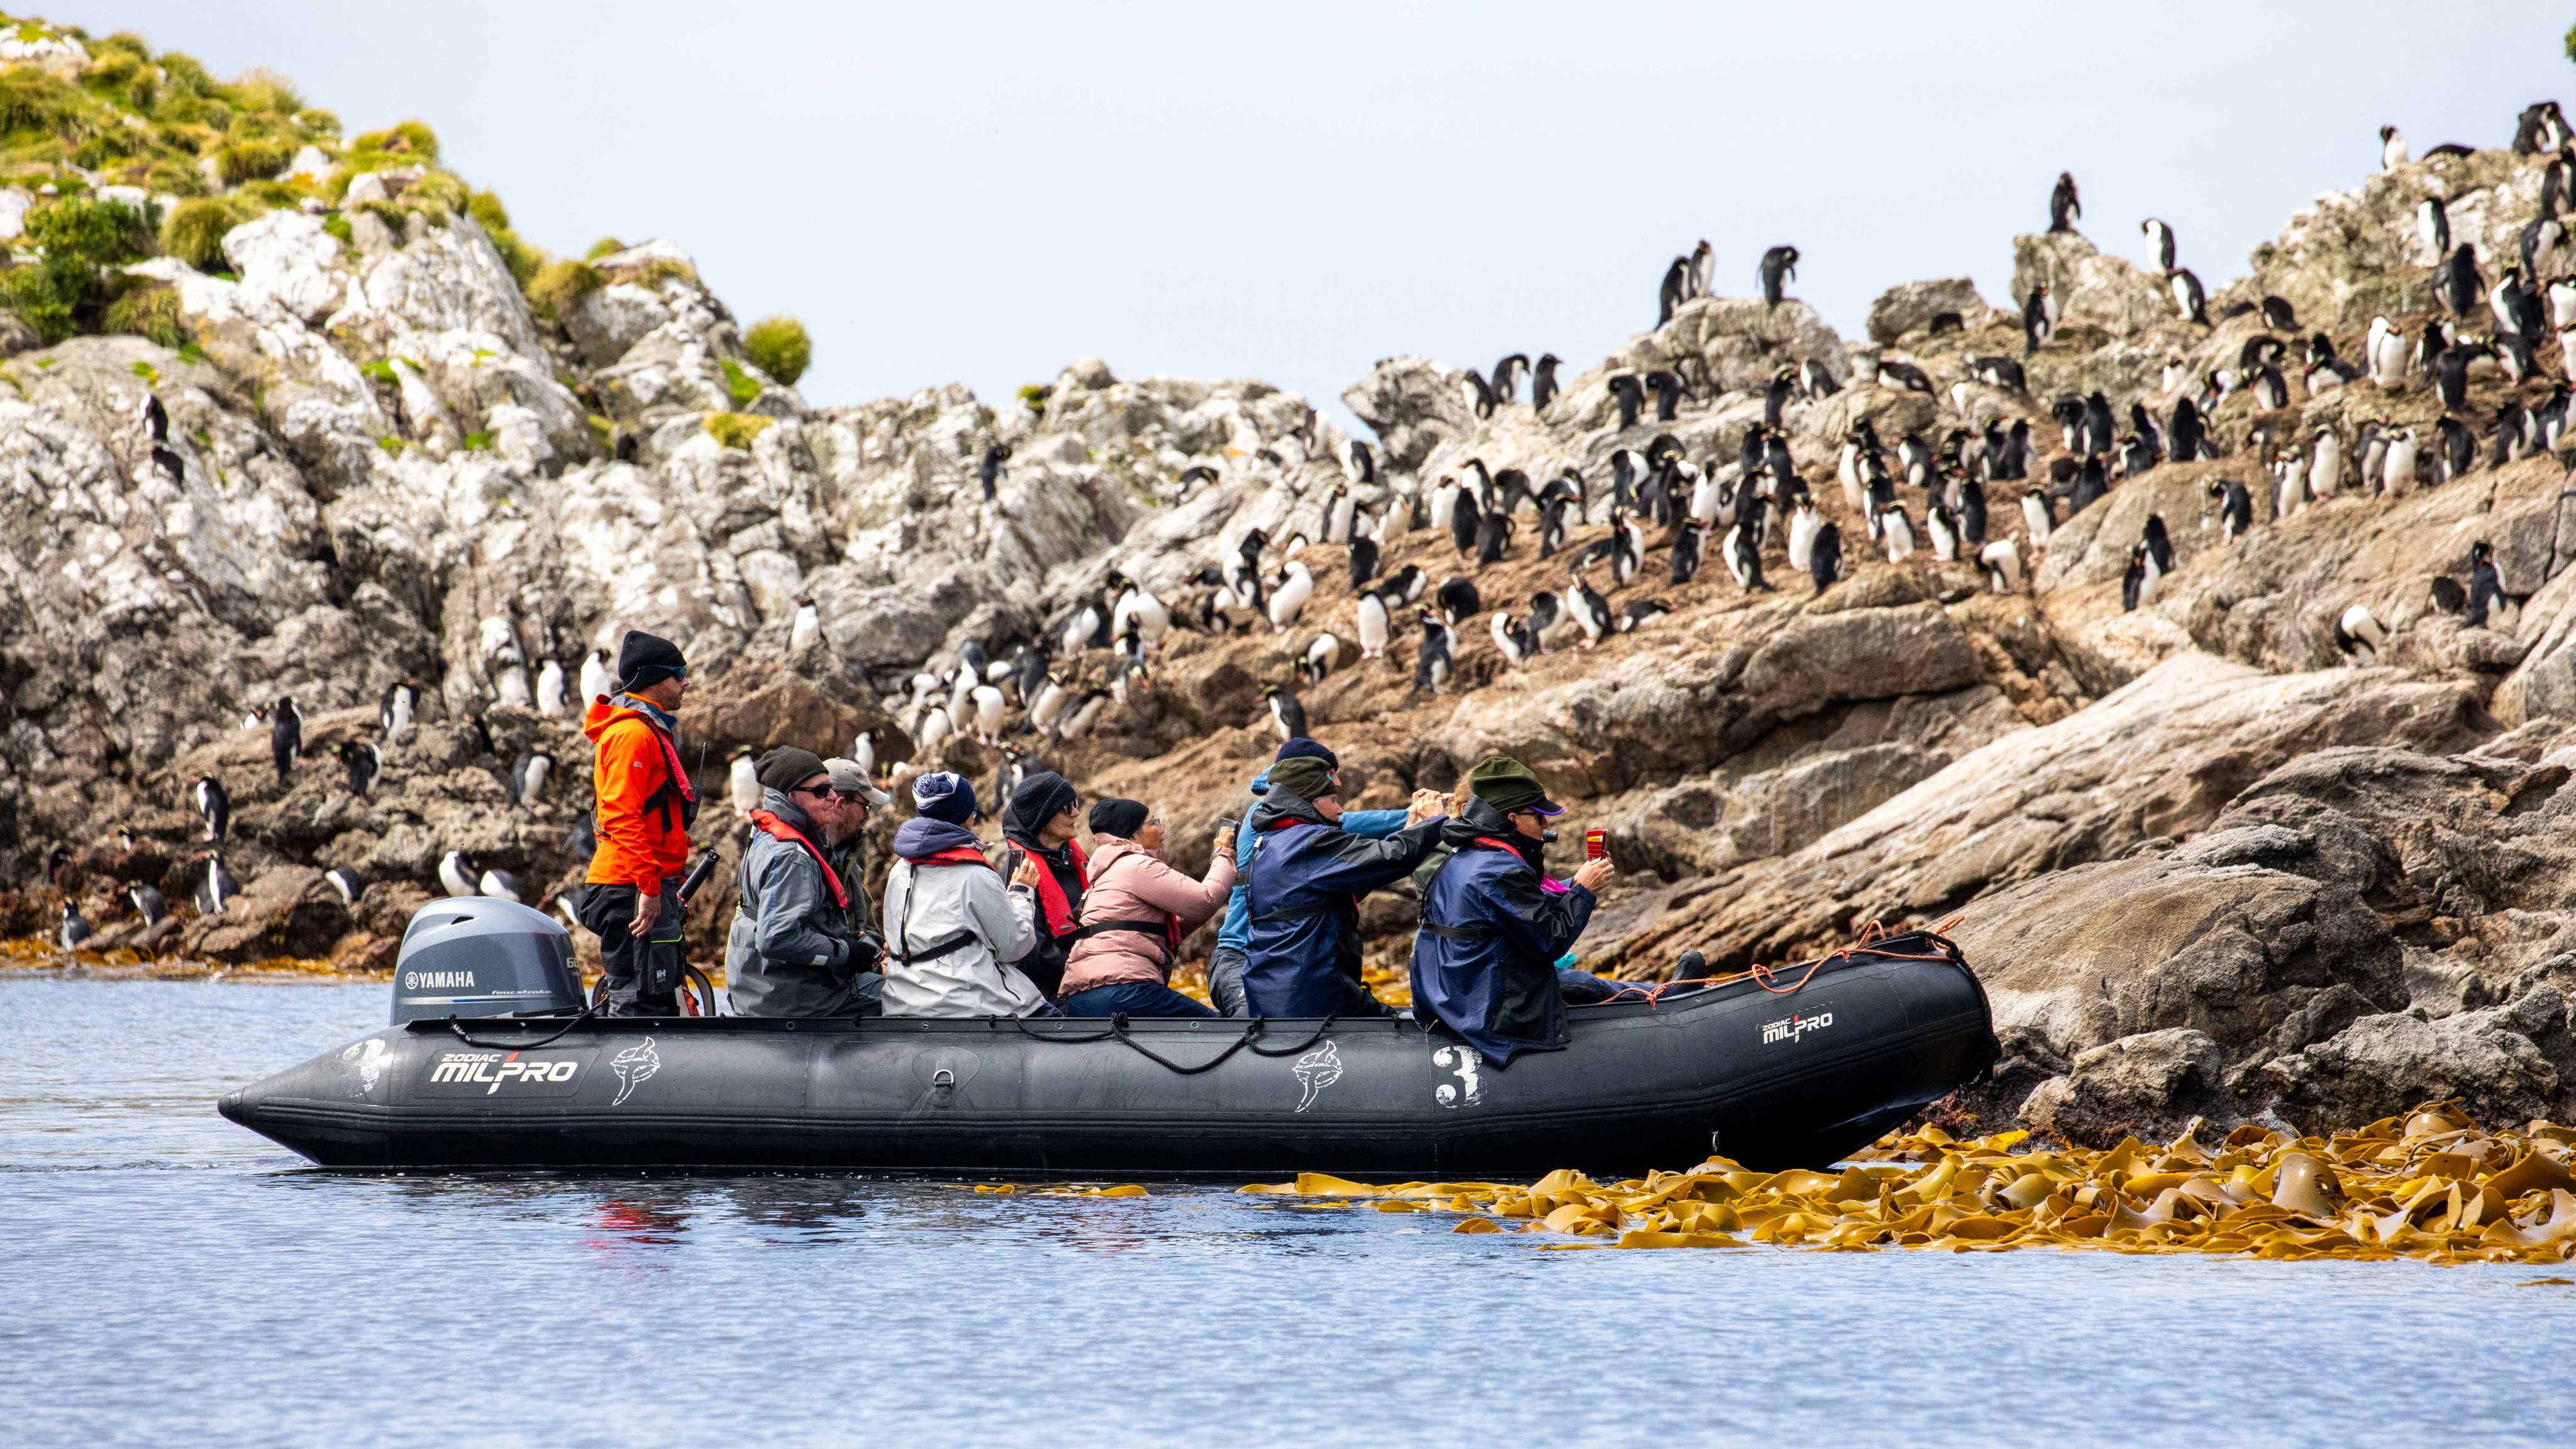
[{"x": 1383, "y": 573}]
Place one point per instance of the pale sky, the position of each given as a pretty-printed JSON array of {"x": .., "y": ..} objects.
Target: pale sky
[{"x": 983, "y": 193}]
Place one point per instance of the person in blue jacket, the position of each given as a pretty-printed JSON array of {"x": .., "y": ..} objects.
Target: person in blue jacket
[
  {"x": 1303, "y": 880},
  {"x": 1225, "y": 967},
  {"x": 1494, "y": 925}
]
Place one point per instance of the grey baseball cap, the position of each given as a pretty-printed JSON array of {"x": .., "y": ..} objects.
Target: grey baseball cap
[{"x": 848, "y": 779}]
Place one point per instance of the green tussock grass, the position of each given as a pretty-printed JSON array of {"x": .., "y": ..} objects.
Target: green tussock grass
[
  {"x": 558, "y": 285},
  {"x": 736, "y": 430},
  {"x": 163, "y": 122},
  {"x": 780, "y": 347},
  {"x": 740, "y": 385}
]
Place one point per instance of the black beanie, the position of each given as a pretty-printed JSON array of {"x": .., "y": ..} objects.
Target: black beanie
[
  {"x": 785, "y": 768},
  {"x": 647, "y": 659},
  {"x": 1122, "y": 818},
  {"x": 1040, "y": 798}
]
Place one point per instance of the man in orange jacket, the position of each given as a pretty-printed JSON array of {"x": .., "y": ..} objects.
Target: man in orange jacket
[{"x": 645, "y": 807}]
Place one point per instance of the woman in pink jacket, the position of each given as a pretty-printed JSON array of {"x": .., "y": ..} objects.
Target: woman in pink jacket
[{"x": 1135, "y": 914}]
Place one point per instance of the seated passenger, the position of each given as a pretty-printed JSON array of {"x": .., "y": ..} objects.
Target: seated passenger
[
  {"x": 792, "y": 950},
  {"x": 1302, "y": 890},
  {"x": 952, "y": 929},
  {"x": 1135, "y": 916},
  {"x": 1493, "y": 924}
]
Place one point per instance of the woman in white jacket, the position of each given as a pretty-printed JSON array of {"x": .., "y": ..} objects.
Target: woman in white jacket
[{"x": 953, "y": 929}]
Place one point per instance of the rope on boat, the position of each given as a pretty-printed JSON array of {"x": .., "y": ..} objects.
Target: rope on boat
[{"x": 1117, "y": 1030}]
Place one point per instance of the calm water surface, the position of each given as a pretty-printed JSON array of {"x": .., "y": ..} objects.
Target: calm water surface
[{"x": 167, "y": 1277}]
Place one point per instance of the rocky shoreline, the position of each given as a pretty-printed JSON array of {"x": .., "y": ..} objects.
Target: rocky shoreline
[{"x": 2211, "y": 858}]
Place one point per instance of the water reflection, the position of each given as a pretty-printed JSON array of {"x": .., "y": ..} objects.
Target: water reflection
[{"x": 172, "y": 1278}]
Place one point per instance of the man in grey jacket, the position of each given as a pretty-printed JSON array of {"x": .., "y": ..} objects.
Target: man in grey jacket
[{"x": 792, "y": 950}]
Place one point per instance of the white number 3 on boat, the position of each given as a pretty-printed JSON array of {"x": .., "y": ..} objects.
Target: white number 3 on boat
[{"x": 1461, "y": 1061}]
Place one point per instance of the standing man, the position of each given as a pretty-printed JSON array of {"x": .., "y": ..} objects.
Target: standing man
[
  {"x": 645, "y": 808},
  {"x": 1225, "y": 966},
  {"x": 1039, "y": 824},
  {"x": 1494, "y": 925},
  {"x": 1305, "y": 880},
  {"x": 791, "y": 951}
]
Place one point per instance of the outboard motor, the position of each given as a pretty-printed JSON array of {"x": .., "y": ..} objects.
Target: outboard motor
[{"x": 477, "y": 956}]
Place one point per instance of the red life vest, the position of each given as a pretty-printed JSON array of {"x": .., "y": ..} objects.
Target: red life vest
[
  {"x": 767, "y": 823},
  {"x": 1051, "y": 898}
]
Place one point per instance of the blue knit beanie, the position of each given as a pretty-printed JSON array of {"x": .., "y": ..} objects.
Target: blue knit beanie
[
  {"x": 943, "y": 796},
  {"x": 1313, "y": 749}
]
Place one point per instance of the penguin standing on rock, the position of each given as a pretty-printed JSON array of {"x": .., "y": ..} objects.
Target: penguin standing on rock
[
  {"x": 1438, "y": 656},
  {"x": 218, "y": 888},
  {"x": 363, "y": 762},
  {"x": 2038, "y": 318},
  {"x": 1512, "y": 639},
  {"x": 1686, "y": 546},
  {"x": 75, "y": 931},
  {"x": 550, "y": 690},
  {"x": 2487, "y": 599},
  {"x": 1286, "y": 714},
  {"x": 147, "y": 902},
  {"x": 285, "y": 739},
  {"x": 2002, "y": 563},
  {"x": 2160, "y": 242},
  {"x": 1543, "y": 387},
  {"x": 2457, "y": 281},
  {"x": 990, "y": 473},
  {"x": 1375, "y": 627},
  {"x": 1590, "y": 612},
  {"x": 2138, "y": 583},
  {"x": 214, "y": 807},
  {"x": 347, "y": 882},
  {"x": 1507, "y": 379},
  {"x": 596, "y": 677},
  {"x": 402, "y": 698},
  {"x": 2235, "y": 506},
  {"x": 1630, "y": 394},
  {"x": 2064, "y": 206},
  {"x": 155, "y": 418},
  {"x": 2189, "y": 300},
  {"x": 1288, "y": 597},
  {"x": 2433, "y": 229},
  {"x": 1825, "y": 557},
  {"x": 1779, "y": 264},
  {"x": 528, "y": 778},
  {"x": 2392, "y": 149}
]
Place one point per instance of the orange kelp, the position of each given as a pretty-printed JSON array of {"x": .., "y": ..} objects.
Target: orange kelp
[{"x": 2431, "y": 1185}]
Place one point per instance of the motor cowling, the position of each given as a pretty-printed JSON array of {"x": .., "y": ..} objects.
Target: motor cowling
[{"x": 472, "y": 956}]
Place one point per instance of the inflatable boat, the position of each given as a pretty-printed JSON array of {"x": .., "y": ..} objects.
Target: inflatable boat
[{"x": 493, "y": 1061}]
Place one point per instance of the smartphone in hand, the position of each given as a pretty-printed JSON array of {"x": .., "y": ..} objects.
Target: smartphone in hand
[{"x": 1596, "y": 844}]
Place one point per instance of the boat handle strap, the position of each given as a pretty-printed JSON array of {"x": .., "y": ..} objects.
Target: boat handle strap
[{"x": 1252, "y": 1030}]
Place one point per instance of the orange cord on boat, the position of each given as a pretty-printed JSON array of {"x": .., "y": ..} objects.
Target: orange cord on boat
[{"x": 1760, "y": 975}]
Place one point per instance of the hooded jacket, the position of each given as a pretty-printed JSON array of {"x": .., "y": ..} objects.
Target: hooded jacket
[
  {"x": 953, "y": 928},
  {"x": 645, "y": 803},
  {"x": 1302, "y": 890},
  {"x": 1484, "y": 961},
  {"x": 1366, "y": 824},
  {"x": 790, "y": 951},
  {"x": 1131, "y": 885}
]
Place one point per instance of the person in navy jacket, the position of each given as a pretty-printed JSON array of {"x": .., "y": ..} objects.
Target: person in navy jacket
[
  {"x": 1494, "y": 925},
  {"x": 1302, "y": 882}
]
